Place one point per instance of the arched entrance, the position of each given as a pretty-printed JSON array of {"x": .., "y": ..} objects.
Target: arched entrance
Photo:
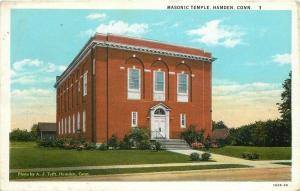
[{"x": 160, "y": 121}]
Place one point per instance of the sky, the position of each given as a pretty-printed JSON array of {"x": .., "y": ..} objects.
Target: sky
[{"x": 253, "y": 51}]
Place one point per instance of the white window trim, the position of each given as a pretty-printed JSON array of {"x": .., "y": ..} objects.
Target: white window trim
[
  {"x": 183, "y": 97},
  {"x": 182, "y": 117},
  {"x": 136, "y": 119},
  {"x": 78, "y": 121},
  {"x": 69, "y": 124},
  {"x": 59, "y": 127},
  {"x": 62, "y": 126},
  {"x": 66, "y": 126},
  {"x": 154, "y": 81},
  {"x": 133, "y": 93},
  {"x": 84, "y": 84},
  {"x": 83, "y": 120},
  {"x": 187, "y": 81},
  {"x": 74, "y": 123}
]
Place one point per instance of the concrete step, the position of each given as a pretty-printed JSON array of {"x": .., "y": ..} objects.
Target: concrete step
[{"x": 171, "y": 144}]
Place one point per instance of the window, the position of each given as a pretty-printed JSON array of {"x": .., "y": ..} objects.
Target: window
[
  {"x": 159, "y": 111},
  {"x": 182, "y": 120},
  {"x": 182, "y": 87},
  {"x": 134, "y": 118},
  {"x": 66, "y": 125},
  {"x": 83, "y": 121},
  {"x": 59, "y": 127},
  {"x": 78, "y": 121},
  {"x": 69, "y": 124},
  {"x": 73, "y": 123},
  {"x": 159, "y": 86},
  {"x": 62, "y": 126},
  {"x": 134, "y": 84},
  {"x": 84, "y": 84}
]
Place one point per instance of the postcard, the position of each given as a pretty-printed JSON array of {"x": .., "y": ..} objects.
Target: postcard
[{"x": 123, "y": 95}]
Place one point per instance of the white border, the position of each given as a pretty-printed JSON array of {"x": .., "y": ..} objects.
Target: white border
[{"x": 139, "y": 4}]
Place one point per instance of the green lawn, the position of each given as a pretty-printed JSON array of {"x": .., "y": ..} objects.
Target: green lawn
[
  {"x": 29, "y": 155},
  {"x": 119, "y": 171},
  {"x": 266, "y": 153}
]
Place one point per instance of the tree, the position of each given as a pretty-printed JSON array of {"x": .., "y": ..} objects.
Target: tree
[
  {"x": 285, "y": 107},
  {"x": 218, "y": 125},
  {"x": 33, "y": 130}
]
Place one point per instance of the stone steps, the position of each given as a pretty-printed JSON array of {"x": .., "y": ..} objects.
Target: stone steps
[{"x": 173, "y": 144}]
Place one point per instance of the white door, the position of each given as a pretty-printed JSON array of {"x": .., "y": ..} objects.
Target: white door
[{"x": 159, "y": 127}]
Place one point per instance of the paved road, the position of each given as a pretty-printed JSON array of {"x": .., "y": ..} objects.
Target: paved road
[{"x": 249, "y": 174}]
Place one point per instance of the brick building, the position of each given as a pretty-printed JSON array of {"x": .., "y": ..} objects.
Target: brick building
[{"x": 117, "y": 83}]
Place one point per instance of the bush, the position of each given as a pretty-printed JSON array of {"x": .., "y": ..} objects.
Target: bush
[
  {"x": 158, "y": 146},
  {"x": 126, "y": 143},
  {"x": 143, "y": 145},
  {"x": 191, "y": 135},
  {"x": 250, "y": 156},
  {"x": 90, "y": 146},
  {"x": 194, "y": 156},
  {"x": 113, "y": 142},
  {"x": 197, "y": 145},
  {"x": 139, "y": 138},
  {"x": 21, "y": 135},
  {"x": 102, "y": 147},
  {"x": 205, "y": 156}
]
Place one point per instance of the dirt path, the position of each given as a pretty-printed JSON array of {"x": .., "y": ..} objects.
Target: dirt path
[{"x": 250, "y": 174}]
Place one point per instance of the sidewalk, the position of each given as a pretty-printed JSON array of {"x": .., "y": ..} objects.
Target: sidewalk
[{"x": 222, "y": 159}]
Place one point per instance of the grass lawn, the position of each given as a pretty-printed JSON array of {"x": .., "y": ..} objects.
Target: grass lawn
[
  {"x": 13, "y": 176},
  {"x": 284, "y": 163},
  {"x": 265, "y": 153},
  {"x": 29, "y": 155}
]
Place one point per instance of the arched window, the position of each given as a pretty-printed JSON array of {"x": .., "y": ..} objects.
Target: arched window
[{"x": 160, "y": 111}]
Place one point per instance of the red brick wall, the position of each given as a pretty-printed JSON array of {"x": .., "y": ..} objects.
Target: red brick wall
[{"x": 197, "y": 110}]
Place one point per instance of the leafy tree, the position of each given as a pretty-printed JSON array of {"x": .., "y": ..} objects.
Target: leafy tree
[
  {"x": 285, "y": 106},
  {"x": 218, "y": 125},
  {"x": 33, "y": 130}
]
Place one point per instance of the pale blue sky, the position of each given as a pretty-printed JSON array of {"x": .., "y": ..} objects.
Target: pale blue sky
[{"x": 252, "y": 50}]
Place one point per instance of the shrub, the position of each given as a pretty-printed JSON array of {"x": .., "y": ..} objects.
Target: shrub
[
  {"x": 143, "y": 145},
  {"x": 194, "y": 156},
  {"x": 21, "y": 135},
  {"x": 126, "y": 143},
  {"x": 102, "y": 147},
  {"x": 191, "y": 135},
  {"x": 113, "y": 142},
  {"x": 197, "y": 145},
  {"x": 205, "y": 156},
  {"x": 250, "y": 156},
  {"x": 59, "y": 143},
  {"x": 139, "y": 138},
  {"x": 90, "y": 146},
  {"x": 158, "y": 146},
  {"x": 79, "y": 147}
]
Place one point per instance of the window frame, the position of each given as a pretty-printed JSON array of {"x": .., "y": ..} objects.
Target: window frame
[
  {"x": 83, "y": 121},
  {"x": 134, "y": 113},
  {"x": 182, "y": 119},
  {"x": 78, "y": 120},
  {"x": 84, "y": 83},
  {"x": 134, "y": 94},
  {"x": 154, "y": 81},
  {"x": 183, "y": 96}
]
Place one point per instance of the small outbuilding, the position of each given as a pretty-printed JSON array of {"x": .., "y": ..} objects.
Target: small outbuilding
[{"x": 46, "y": 130}]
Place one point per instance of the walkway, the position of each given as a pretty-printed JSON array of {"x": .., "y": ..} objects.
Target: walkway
[{"x": 233, "y": 160}]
